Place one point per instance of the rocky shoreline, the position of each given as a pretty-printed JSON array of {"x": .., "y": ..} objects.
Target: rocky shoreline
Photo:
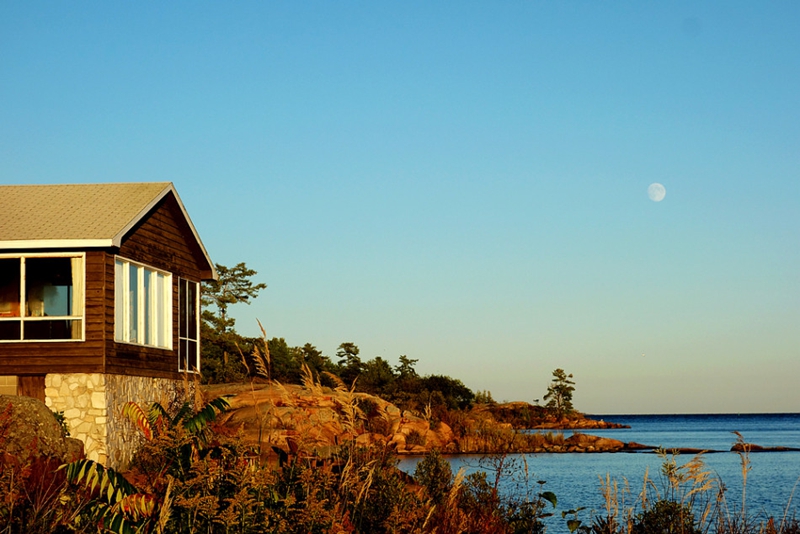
[
  {"x": 314, "y": 421},
  {"x": 294, "y": 420}
]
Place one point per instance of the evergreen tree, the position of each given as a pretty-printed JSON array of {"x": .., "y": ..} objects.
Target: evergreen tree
[
  {"x": 220, "y": 343},
  {"x": 559, "y": 393}
]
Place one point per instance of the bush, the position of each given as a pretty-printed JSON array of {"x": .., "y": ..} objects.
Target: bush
[
  {"x": 415, "y": 438},
  {"x": 666, "y": 517},
  {"x": 434, "y": 473}
]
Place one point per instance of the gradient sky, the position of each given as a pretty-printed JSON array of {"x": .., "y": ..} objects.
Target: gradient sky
[{"x": 464, "y": 183}]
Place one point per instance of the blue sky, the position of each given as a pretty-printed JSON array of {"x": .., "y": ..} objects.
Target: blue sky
[{"x": 464, "y": 183}]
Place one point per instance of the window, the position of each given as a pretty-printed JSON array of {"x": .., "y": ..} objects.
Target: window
[
  {"x": 143, "y": 305},
  {"x": 41, "y": 297},
  {"x": 189, "y": 332}
]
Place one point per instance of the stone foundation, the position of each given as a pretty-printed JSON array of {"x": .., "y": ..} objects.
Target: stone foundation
[{"x": 92, "y": 407}]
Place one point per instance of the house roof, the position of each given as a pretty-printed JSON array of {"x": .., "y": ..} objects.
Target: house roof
[{"x": 79, "y": 215}]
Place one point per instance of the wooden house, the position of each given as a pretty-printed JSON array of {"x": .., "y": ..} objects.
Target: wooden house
[{"x": 99, "y": 300}]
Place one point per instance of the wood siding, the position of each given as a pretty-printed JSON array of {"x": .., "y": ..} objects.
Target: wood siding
[
  {"x": 31, "y": 386},
  {"x": 165, "y": 241}
]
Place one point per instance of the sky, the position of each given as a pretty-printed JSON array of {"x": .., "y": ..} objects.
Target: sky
[{"x": 464, "y": 183}]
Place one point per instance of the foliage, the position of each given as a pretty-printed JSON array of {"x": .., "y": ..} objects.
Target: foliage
[
  {"x": 62, "y": 422},
  {"x": 234, "y": 285},
  {"x": 559, "y": 393},
  {"x": 349, "y": 366},
  {"x": 520, "y": 415},
  {"x": 522, "y": 509},
  {"x": 415, "y": 437},
  {"x": 220, "y": 343},
  {"x": 228, "y": 357},
  {"x": 33, "y": 494},
  {"x": 666, "y": 517},
  {"x": 484, "y": 397},
  {"x": 435, "y": 474},
  {"x": 116, "y": 505},
  {"x": 193, "y": 476}
]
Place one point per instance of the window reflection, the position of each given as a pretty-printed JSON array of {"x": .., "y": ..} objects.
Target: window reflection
[
  {"x": 9, "y": 288},
  {"x": 41, "y": 298}
]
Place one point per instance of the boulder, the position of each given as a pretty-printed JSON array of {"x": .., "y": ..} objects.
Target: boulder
[{"x": 28, "y": 429}]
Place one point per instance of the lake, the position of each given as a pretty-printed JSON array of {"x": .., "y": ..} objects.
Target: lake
[{"x": 575, "y": 478}]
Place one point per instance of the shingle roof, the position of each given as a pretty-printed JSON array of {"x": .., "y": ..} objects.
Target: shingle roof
[
  {"x": 84, "y": 212},
  {"x": 78, "y": 215}
]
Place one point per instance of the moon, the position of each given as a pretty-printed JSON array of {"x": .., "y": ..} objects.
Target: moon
[{"x": 656, "y": 192}]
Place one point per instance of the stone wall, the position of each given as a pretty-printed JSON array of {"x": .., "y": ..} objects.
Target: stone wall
[{"x": 92, "y": 407}]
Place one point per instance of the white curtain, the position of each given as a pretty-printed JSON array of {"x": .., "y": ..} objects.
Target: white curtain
[{"x": 77, "y": 296}]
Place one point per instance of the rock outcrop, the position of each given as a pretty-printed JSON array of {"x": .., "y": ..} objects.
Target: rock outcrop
[
  {"x": 587, "y": 443},
  {"x": 314, "y": 420},
  {"x": 296, "y": 419},
  {"x": 529, "y": 416},
  {"x": 29, "y": 429},
  {"x": 751, "y": 447}
]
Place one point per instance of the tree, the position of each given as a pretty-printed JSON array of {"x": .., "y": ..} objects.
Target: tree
[
  {"x": 315, "y": 360},
  {"x": 220, "y": 342},
  {"x": 349, "y": 365},
  {"x": 377, "y": 376},
  {"x": 406, "y": 368},
  {"x": 559, "y": 393},
  {"x": 234, "y": 286},
  {"x": 453, "y": 394},
  {"x": 285, "y": 360}
]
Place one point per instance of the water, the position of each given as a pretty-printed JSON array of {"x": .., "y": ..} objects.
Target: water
[{"x": 575, "y": 478}]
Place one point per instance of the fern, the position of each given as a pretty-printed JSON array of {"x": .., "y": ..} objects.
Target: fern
[
  {"x": 157, "y": 415},
  {"x": 184, "y": 411},
  {"x": 134, "y": 412},
  {"x": 137, "y": 506},
  {"x": 201, "y": 419},
  {"x": 119, "y": 507},
  {"x": 113, "y": 486}
]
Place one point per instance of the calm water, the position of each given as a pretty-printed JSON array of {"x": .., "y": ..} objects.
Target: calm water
[{"x": 574, "y": 478}]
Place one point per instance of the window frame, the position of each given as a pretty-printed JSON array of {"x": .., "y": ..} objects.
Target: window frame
[
  {"x": 23, "y": 317},
  {"x": 122, "y": 301},
  {"x": 183, "y": 310}
]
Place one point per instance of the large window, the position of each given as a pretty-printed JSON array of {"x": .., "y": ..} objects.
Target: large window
[
  {"x": 41, "y": 297},
  {"x": 189, "y": 331},
  {"x": 143, "y": 305}
]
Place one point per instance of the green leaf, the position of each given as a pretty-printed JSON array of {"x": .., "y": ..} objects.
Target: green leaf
[
  {"x": 184, "y": 411},
  {"x": 550, "y": 497},
  {"x": 156, "y": 413},
  {"x": 201, "y": 419},
  {"x": 573, "y": 524},
  {"x": 91, "y": 474}
]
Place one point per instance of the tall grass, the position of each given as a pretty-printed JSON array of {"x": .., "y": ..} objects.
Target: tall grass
[{"x": 685, "y": 499}]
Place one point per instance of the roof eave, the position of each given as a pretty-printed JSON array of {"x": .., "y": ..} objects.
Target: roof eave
[
  {"x": 50, "y": 244},
  {"x": 211, "y": 272}
]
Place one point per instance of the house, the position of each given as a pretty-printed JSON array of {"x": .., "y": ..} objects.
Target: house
[{"x": 99, "y": 302}]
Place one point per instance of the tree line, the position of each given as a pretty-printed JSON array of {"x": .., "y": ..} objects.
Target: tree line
[{"x": 227, "y": 357}]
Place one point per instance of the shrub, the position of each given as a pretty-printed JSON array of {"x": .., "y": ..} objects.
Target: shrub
[
  {"x": 415, "y": 437},
  {"x": 434, "y": 473},
  {"x": 666, "y": 517}
]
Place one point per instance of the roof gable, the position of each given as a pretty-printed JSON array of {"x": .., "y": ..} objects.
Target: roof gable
[{"x": 79, "y": 215}]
